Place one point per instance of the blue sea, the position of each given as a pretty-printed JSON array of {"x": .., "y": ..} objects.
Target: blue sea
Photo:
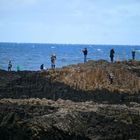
[{"x": 29, "y": 56}]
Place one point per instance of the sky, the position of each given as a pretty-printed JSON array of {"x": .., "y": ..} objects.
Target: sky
[{"x": 70, "y": 21}]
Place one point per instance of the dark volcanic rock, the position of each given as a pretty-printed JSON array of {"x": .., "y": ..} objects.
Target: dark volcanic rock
[
  {"x": 34, "y": 119},
  {"x": 83, "y": 106},
  {"x": 80, "y": 82}
]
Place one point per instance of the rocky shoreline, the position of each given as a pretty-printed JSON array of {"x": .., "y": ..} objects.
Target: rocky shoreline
[
  {"x": 43, "y": 119},
  {"x": 76, "y": 102}
]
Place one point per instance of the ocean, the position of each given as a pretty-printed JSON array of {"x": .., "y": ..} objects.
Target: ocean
[{"x": 29, "y": 56}]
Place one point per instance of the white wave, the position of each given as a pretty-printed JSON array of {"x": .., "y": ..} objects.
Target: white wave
[
  {"x": 52, "y": 47},
  {"x": 99, "y": 50}
]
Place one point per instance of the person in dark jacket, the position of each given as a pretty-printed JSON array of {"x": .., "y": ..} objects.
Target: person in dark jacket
[
  {"x": 133, "y": 54},
  {"x": 42, "y": 67},
  {"x": 85, "y": 52},
  {"x": 9, "y": 66},
  {"x": 112, "y": 52}
]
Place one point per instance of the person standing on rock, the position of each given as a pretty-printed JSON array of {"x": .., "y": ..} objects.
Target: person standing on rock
[
  {"x": 85, "y": 52},
  {"x": 133, "y": 54},
  {"x": 42, "y": 67},
  {"x": 112, "y": 52},
  {"x": 53, "y": 59},
  {"x": 9, "y": 66}
]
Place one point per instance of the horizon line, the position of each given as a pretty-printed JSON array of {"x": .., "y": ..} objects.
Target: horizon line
[{"x": 12, "y": 42}]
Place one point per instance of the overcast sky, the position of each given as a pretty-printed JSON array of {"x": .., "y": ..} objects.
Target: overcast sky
[{"x": 70, "y": 21}]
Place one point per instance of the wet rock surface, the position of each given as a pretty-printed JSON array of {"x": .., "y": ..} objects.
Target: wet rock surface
[{"x": 72, "y": 103}]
